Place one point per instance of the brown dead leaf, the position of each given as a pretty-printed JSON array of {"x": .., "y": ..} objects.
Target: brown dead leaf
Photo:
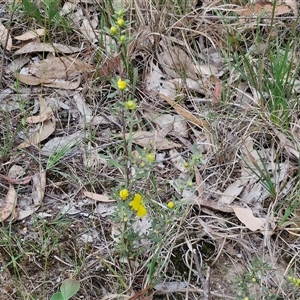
[
  {"x": 110, "y": 67},
  {"x": 293, "y": 5},
  {"x": 232, "y": 191},
  {"x": 16, "y": 172},
  {"x": 88, "y": 30},
  {"x": 176, "y": 62},
  {"x": 156, "y": 83},
  {"x": 59, "y": 68},
  {"x": 263, "y": 7},
  {"x": 63, "y": 143},
  {"x": 44, "y": 131},
  {"x": 97, "y": 197},
  {"x": 200, "y": 182},
  {"x": 65, "y": 84},
  {"x": 57, "y": 72},
  {"x": 29, "y": 79},
  {"x": 3, "y": 37},
  {"x": 22, "y": 214},
  {"x": 9, "y": 204},
  {"x": 45, "y": 113},
  {"x": 215, "y": 205},
  {"x": 184, "y": 113},
  {"x": 44, "y": 47},
  {"x": 245, "y": 215},
  {"x": 217, "y": 92},
  {"x": 38, "y": 187},
  {"x": 21, "y": 181},
  {"x": 152, "y": 139},
  {"x": 31, "y": 34},
  {"x": 287, "y": 144}
]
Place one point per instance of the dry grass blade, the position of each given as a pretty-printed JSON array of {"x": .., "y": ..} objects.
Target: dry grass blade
[{"x": 185, "y": 113}]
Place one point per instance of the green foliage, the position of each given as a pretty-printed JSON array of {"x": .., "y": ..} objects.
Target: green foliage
[
  {"x": 68, "y": 289},
  {"x": 47, "y": 14},
  {"x": 279, "y": 84},
  {"x": 252, "y": 280},
  {"x": 32, "y": 11}
]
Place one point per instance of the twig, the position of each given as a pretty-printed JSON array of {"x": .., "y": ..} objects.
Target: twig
[{"x": 206, "y": 286}]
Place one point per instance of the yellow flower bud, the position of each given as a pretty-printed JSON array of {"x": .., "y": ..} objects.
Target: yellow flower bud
[
  {"x": 122, "y": 38},
  {"x": 120, "y": 22},
  {"x": 130, "y": 104},
  {"x": 171, "y": 204},
  {"x": 113, "y": 30}
]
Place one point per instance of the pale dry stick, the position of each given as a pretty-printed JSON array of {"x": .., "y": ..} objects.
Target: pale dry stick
[{"x": 206, "y": 285}]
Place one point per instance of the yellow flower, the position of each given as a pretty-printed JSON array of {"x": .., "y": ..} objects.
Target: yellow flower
[
  {"x": 130, "y": 104},
  {"x": 113, "y": 30},
  {"x": 124, "y": 194},
  {"x": 121, "y": 84},
  {"x": 142, "y": 211},
  {"x": 171, "y": 204},
  {"x": 150, "y": 157},
  {"x": 120, "y": 22},
  {"x": 136, "y": 202}
]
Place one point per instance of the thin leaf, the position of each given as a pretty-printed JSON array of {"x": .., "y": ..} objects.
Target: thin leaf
[{"x": 32, "y": 10}]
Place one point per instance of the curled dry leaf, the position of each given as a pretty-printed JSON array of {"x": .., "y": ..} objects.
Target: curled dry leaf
[
  {"x": 21, "y": 181},
  {"x": 57, "y": 72},
  {"x": 59, "y": 68},
  {"x": 44, "y": 47},
  {"x": 5, "y": 38},
  {"x": 9, "y": 204},
  {"x": 29, "y": 79},
  {"x": 98, "y": 197},
  {"x": 43, "y": 131},
  {"x": 152, "y": 139},
  {"x": 31, "y": 34},
  {"x": 245, "y": 215},
  {"x": 45, "y": 112}
]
